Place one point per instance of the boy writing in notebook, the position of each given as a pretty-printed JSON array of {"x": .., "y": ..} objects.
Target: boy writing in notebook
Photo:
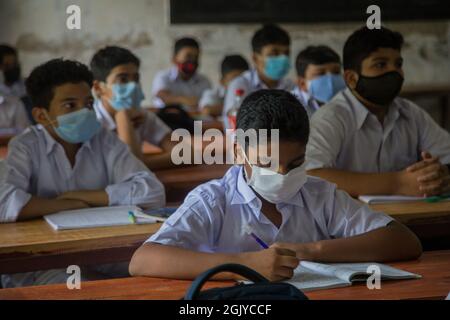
[
  {"x": 368, "y": 140},
  {"x": 319, "y": 77},
  {"x": 67, "y": 161},
  {"x": 271, "y": 51},
  {"x": 298, "y": 217},
  {"x": 181, "y": 84},
  {"x": 211, "y": 102},
  {"x": 118, "y": 105}
]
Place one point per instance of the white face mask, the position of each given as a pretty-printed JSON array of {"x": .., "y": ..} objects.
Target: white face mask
[{"x": 273, "y": 186}]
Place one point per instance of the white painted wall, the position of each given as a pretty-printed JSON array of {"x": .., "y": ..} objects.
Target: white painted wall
[{"x": 38, "y": 29}]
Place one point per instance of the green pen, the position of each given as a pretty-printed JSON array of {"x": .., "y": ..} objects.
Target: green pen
[
  {"x": 131, "y": 217},
  {"x": 437, "y": 198}
]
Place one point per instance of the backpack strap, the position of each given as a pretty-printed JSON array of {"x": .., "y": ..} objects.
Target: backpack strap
[{"x": 239, "y": 269}]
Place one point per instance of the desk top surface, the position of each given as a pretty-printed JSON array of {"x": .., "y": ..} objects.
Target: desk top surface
[{"x": 434, "y": 284}]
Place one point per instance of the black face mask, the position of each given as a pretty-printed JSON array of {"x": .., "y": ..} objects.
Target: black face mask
[
  {"x": 381, "y": 89},
  {"x": 12, "y": 75}
]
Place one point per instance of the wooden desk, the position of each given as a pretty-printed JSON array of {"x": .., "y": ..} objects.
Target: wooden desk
[
  {"x": 3, "y": 152},
  {"x": 429, "y": 221},
  {"x": 433, "y": 266},
  {"x": 34, "y": 245},
  {"x": 179, "y": 181}
]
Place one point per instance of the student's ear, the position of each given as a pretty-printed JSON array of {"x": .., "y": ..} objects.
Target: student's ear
[
  {"x": 351, "y": 78},
  {"x": 301, "y": 83},
  {"x": 98, "y": 88},
  {"x": 40, "y": 115}
]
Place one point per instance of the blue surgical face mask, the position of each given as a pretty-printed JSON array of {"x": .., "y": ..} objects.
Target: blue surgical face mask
[
  {"x": 78, "y": 126},
  {"x": 126, "y": 96},
  {"x": 325, "y": 87},
  {"x": 276, "y": 67}
]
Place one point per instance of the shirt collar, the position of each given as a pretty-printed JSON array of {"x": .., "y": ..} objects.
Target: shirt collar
[
  {"x": 396, "y": 109},
  {"x": 244, "y": 194},
  {"x": 103, "y": 115},
  {"x": 51, "y": 143}
]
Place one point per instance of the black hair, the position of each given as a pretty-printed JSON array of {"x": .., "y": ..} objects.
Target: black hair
[
  {"x": 110, "y": 57},
  {"x": 183, "y": 43},
  {"x": 6, "y": 50},
  {"x": 315, "y": 55},
  {"x": 364, "y": 41},
  {"x": 43, "y": 80},
  {"x": 232, "y": 63},
  {"x": 274, "y": 109},
  {"x": 269, "y": 34}
]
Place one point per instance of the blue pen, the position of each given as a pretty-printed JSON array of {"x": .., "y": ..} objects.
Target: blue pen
[{"x": 249, "y": 231}]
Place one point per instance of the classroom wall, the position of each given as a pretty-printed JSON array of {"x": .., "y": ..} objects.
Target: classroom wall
[{"x": 38, "y": 29}]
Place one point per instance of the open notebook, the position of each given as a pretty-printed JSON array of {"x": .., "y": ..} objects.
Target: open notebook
[
  {"x": 312, "y": 275},
  {"x": 388, "y": 199},
  {"x": 98, "y": 217}
]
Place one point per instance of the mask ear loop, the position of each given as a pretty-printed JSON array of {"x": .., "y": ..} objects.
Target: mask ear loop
[{"x": 51, "y": 122}]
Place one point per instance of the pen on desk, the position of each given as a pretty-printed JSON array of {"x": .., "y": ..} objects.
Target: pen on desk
[
  {"x": 249, "y": 231},
  {"x": 437, "y": 198},
  {"x": 131, "y": 217}
]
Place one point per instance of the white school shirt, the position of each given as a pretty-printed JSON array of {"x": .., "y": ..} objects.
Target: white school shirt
[
  {"x": 309, "y": 103},
  {"x": 152, "y": 130},
  {"x": 12, "y": 113},
  {"x": 249, "y": 81},
  {"x": 17, "y": 89},
  {"x": 37, "y": 165},
  {"x": 213, "y": 216},
  {"x": 212, "y": 97},
  {"x": 170, "y": 80},
  {"x": 346, "y": 136}
]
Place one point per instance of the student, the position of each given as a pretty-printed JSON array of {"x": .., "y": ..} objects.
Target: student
[
  {"x": 369, "y": 141},
  {"x": 271, "y": 49},
  {"x": 299, "y": 217},
  {"x": 318, "y": 77},
  {"x": 13, "y": 113},
  {"x": 68, "y": 161},
  {"x": 11, "y": 82},
  {"x": 118, "y": 105},
  {"x": 181, "y": 84},
  {"x": 211, "y": 102}
]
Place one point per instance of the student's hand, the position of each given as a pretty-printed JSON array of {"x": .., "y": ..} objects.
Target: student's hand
[
  {"x": 425, "y": 178},
  {"x": 303, "y": 251},
  {"x": 273, "y": 263},
  {"x": 94, "y": 198},
  {"x": 191, "y": 102},
  {"x": 137, "y": 117}
]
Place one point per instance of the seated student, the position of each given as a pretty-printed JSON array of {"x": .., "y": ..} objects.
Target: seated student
[
  {"x": 211, "y": 102},
  {"x": 10, "y": 73},
  {"x": 369, "y": 141},
  {"x": 271, "y": 50},
  {"x": 299, "y": 217},
  {"x": 119, "y": 97},
  {"x": 181, "y": 84},
  {"x": 318, "y": 77},
  {"x": 13, "y": 97},
  {"x": 68, "y": 161}
]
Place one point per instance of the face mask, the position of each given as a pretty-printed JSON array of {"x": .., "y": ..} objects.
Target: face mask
[
  {"x": 273, "y": 186},
  {"x": 12, "y": 75},
  {"x": 277, "y": 67},
  {"x": 325, "y": 87},
  {"x": 188, "y": 67},
  {"x": 126, "y": 96},
  {"x": 77, "y": 127},
  {"x": 380, "y": 90}
]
